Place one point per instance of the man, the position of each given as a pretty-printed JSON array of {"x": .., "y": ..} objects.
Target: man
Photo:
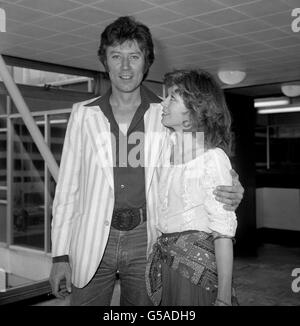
[{"x": 104, "y": 207}]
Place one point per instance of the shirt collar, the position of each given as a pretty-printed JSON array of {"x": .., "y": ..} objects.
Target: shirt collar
[{"x": 147, "y": 97}]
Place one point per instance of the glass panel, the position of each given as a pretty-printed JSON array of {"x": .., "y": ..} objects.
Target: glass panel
[
  {"x": 261, "y": 148},
  {"x": 3, "y": 104},
  {"x": 28, "y": 188},
  {"x": 2, "y": 222},
  {"x": 3, "y": 194},
  {"x": 3, "y": 154},
  {"x": 284, "y": 148},
  {"x": 58, "y": 127},
  {"x": 3, "y": 122}
]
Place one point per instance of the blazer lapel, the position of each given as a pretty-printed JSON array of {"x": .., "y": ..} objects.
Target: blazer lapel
[
  {"x": 99, "y": 134},
  {"x": 155, "y": 137}
]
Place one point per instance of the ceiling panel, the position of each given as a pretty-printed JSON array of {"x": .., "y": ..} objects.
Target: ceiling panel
[
  {"x": 60, "y": 24},
  {"x": 179, "y": 40},
  {"x": 161, "y": 32},
  {"x": 211, "y": 34},
  {"x": 89, "y": 15},
  {"x": 22, "y": 14},
  {"x": 247, "y": 26},
  {"x": 254, "y": 35},
  {"x": 268, "y": 34},
  {"x": 234, "y": 41},
  {"x": 128, "y": 7},
  {"x": 222, "y": 17},
  {"x": 194, "y": 7},
  {"x": 186, "y": 25},
  {"x": 279, "y": 19},
  {"x": 157, "y": 16},
  {"x": 283, "y": 42},
  {"x": 262, "y": 8},
  {"x": 52, "y": 7}
]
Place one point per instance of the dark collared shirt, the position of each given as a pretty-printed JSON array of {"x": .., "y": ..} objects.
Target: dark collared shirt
[{"x": 129, "y": 181}]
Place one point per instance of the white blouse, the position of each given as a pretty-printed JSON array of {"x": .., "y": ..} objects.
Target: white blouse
[{"x": 186, "y": 199}]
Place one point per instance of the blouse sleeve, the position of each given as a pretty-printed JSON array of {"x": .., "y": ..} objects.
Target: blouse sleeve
[{"x": 217, "y": 172}]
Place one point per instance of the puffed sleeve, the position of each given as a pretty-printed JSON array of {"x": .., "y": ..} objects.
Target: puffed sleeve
[{"x": 217, "y": 172}]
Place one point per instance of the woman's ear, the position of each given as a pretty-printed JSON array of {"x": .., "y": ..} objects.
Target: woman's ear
[{"x": 187, "y": 124}]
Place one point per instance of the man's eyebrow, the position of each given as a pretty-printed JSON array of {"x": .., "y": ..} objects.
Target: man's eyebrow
[{"x": 138, "y": 52}]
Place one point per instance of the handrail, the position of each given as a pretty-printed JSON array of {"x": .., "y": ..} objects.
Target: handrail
[{"x": 28, "y": 119}]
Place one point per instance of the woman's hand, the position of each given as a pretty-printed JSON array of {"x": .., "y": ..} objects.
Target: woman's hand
[{"x": 231, "y": 196}]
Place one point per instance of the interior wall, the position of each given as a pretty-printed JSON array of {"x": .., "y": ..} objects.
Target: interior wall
[{"x": 278, "y": 208}]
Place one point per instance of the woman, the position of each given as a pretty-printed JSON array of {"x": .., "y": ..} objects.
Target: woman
[{"x": 191, "y": 262}]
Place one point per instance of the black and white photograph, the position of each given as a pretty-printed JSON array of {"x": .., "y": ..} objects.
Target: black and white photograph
[{"x": 149, "y": 155}]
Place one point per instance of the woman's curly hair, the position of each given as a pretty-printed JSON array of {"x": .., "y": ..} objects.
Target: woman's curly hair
[{"x": 205, "y": 100}]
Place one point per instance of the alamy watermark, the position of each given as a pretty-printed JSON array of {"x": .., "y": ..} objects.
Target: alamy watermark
[
  {"x": 296, "y": 22},
  {"x": 296, "y": 281},
  {"x": 2, "y": 20},
  {"x": 131, "y": 150}
]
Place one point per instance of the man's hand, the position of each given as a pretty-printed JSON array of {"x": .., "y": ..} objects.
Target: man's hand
[
  {"x": 231, "y": 196},
  {"x": 59, "y": 272}
]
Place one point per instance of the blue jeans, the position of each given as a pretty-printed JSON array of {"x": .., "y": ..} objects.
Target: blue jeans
[{"x": 125, "y": 253}]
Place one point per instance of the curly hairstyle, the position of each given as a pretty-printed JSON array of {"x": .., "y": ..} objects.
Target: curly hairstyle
[
  {"x": 124, "y": 29},
  {"x": 205, "y": 101}
]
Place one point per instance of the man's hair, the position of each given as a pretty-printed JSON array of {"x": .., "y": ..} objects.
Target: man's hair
[
  {"x": 205, "y": 100},
  {"x": 127, "y": 29}
]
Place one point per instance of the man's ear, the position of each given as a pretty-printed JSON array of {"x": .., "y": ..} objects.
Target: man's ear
[{"x": 106, "y": 66}]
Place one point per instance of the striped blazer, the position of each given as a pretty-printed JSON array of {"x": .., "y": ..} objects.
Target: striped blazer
[{"x": 84, "y": 197}]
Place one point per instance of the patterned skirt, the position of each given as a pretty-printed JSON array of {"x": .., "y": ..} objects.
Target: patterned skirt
[{"x": 182, "y": 270}]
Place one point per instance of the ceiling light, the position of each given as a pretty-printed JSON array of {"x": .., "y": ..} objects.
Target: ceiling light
[
  {"x": 266, "y": 102},
  {"x": 291, "y": 90},
  {"x": 286, "y": 109},
  {"x": 231, "y": 77}
]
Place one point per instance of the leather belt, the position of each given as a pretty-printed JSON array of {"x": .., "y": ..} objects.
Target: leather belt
[{"x": 124, "y": 219}]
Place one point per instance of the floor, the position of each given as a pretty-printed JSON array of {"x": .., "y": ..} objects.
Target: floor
[{"x": 265, "y": 280}]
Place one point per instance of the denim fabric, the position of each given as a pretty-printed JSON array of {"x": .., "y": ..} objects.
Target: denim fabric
[{"x": 125, "y": 253}]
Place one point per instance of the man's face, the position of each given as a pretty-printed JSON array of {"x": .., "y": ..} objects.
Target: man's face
[{"x": 125, "y": 63}]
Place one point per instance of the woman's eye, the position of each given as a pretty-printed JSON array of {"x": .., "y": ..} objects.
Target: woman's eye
[
  {"x": 134, "y": 57},
  {"x": 115, "y": 57}
]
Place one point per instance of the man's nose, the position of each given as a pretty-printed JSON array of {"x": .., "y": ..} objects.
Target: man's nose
[{"x": 125, "y": 63}]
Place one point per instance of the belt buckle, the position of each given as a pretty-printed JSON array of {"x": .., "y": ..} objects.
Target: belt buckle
[{"x": 126, "y": 220}]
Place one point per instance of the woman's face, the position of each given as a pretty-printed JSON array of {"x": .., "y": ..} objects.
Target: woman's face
[{"x": 174, "y": 110}]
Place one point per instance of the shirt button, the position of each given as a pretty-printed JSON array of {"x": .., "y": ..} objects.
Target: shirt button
[
  {"x": 106, "y": 223},
  {"x": 122, "y": 186}
]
